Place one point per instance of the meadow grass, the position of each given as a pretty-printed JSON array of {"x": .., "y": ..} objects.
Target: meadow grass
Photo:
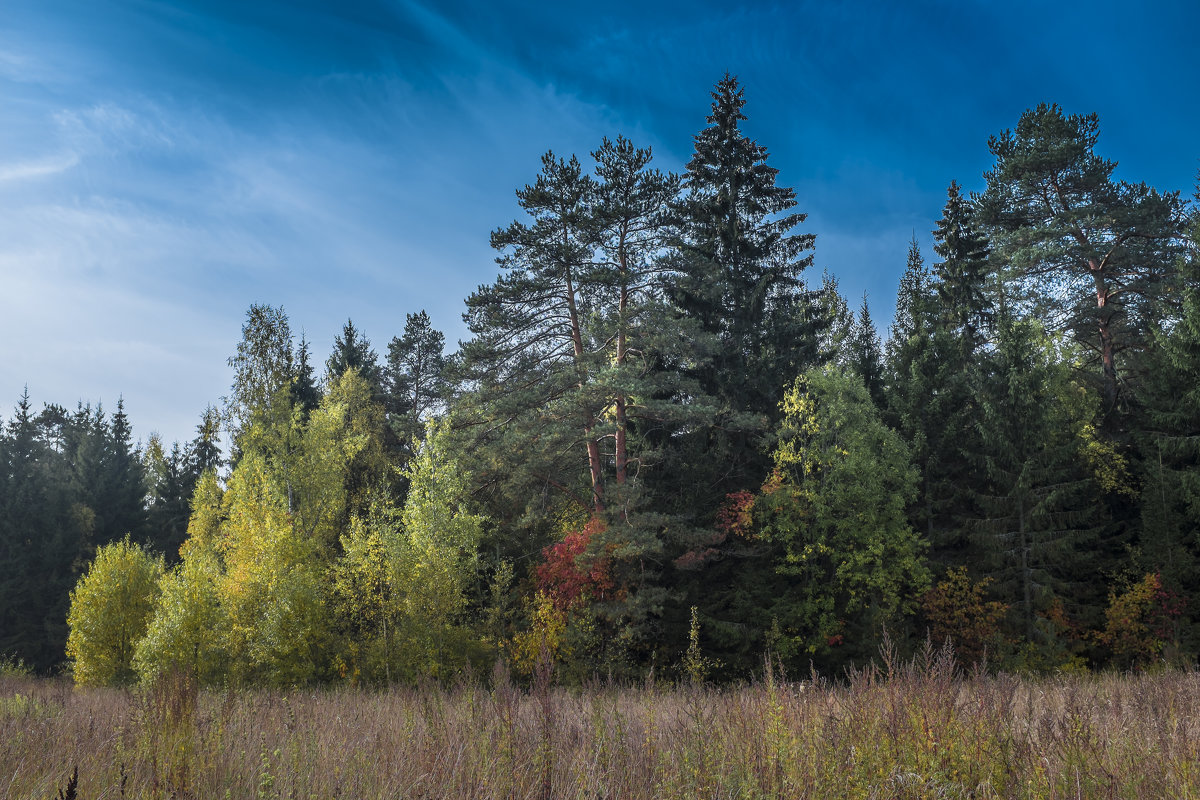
[{"x": 915, "y": 730}]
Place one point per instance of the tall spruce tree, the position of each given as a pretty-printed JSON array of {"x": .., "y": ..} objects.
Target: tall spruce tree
[
  {"x": 866, "y": 353},
  {"x": 305, "y": 392},
  {"x": 1170, "y": 434},
  {"x": 576, "y": 378},
  {"x": 44, "y": 538},
  {"x": 1040, "y": 533},
  {"x": 741, "y": 278},
  {"x": 963, "y": 273},
  {"x": 962, "y": 316},
  {"x": 416, "y": 381},
  {"x": 204, "y": 452},
  {"x": 169, "y": 492},
  {"x": 122, "y": 511},
  {"x": 913, "y": 318},
  {"x": 914, "y": 374},
  {"x": 352, "y": 350}
]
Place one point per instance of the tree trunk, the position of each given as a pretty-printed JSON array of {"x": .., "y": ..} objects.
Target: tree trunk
[
  {"x": 621, "y": 453},
  {"x": 1107, "y": 346},
  {"x": 1026, "y": 574},
  {"x": 593, "y": 447}
]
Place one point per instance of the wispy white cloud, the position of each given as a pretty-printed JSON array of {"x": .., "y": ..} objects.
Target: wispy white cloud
[
  {"x": 165, "y": 165},
  {"x": 38, "y": 168}
]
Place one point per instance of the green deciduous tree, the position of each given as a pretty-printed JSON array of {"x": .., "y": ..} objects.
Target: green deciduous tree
[
  {"x": 264, "y": 366},
  {"x": 271, "y": 590},
  {"x": 188, "y": 624},
  {"x": 835, "y": 509},
  {"x": 401, "y": 583},
  {"x": 110, "y": 608}
]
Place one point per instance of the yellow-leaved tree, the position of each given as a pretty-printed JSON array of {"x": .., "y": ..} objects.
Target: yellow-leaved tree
[
  {"x": 250, "y": 600},
  {"x": 110, "y": 608},
  {"x": 401, "y": 582},
  {"x": 187, "y": 629}
]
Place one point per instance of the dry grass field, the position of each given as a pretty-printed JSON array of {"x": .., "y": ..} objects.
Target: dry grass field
[{"x": 918, "y": 730}]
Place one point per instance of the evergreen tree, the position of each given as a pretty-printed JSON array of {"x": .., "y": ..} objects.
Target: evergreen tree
[
  {"x": 914, "y": 377},
  {"x": 866, "y": 356},
  {"x": 169, "y": 492},
  {"x": 44, "y": 537},
  {"x": 962, "y": 275},
  {"x": 646, "y": 350},
  {"x": 204, "y": 452},
  {"x": 121, "y": 504},
  {"x": 577, "y": 376},
  {"x": 741, "y": 280},
  {"x": 914, "y": 312},
  {"x": 305, "y": 393},
  {"x": 1041, "y": 533},
  {"x": 961, "y": 315},
  {"x": 172, "y": 478},
  {"x": 1170, "y": 397},
  {"x": 528, "y": 363},
  {"x": 1090, "y": 255},
  {"x": 352, "y": 350},
  {"x": 837, "y": 340},
  {"x": 416, "y": 379}
]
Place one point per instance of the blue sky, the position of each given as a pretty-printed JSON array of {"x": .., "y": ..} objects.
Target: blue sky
[{"x": 164, "y": 165}]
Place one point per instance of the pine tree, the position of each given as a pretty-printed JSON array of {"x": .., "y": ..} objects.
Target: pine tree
[
  {"x": 646, "y": 350},
  {"x": 528, "y": 362},
  {"x": 1059, "y": 221},
  {"x": 576, "y": 374}
]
